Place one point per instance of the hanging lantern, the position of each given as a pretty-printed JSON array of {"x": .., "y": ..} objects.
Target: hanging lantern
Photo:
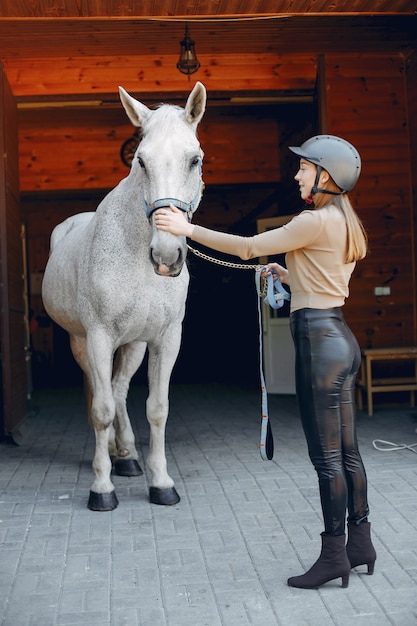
[{"x": 188, "y": 62}]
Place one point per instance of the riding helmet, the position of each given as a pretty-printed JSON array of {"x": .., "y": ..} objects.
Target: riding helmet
[{"x": 335, "y": 155}]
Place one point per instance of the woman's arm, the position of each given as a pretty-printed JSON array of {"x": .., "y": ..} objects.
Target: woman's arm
[
  {"x": 174, "y": 221},
  {"x": 299, "y": 232}
]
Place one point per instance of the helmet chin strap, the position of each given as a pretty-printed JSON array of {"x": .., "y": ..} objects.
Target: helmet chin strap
[{"x": 315, "y": 189}]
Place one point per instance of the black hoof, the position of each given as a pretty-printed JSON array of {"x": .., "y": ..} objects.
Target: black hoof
[
  {"x": 102, "y": 501},
  {"x": 168, "y": 497},
  {"x": 127, "y": 467}
]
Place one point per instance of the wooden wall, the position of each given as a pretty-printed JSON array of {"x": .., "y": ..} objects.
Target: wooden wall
[
  {"x": 153, "y": 73},
  {"x": 14, "y": 380},
  {"x": 371, "y": 100},
  {"x": 367, "y": 104},
  {"x": 411, "y": 94},
  {"x": 70, "y": 148}
]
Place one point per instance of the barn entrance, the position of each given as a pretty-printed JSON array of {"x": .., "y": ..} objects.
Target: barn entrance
[{"x": 220, "y": 331}]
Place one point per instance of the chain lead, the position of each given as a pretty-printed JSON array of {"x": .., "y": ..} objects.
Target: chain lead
[{"x": 237, "y": 266}]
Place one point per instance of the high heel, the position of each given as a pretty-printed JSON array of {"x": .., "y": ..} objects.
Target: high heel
[
  {"x": 359, "y": 548},
  {"x": 332, "y": 563}
]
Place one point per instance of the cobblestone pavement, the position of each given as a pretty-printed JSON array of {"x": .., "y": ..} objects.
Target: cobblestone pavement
[{"x": 221, "y": 557}]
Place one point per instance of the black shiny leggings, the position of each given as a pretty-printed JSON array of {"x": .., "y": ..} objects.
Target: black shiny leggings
[{"x": 327, "y": 361}]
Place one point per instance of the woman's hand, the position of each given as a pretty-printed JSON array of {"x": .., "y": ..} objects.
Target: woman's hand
[
  {"x": 173, "y": 221},
  {"x": 278, "y": 270}
]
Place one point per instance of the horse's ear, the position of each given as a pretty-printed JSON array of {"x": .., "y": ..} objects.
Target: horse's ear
[
  {"x": 137, "y": 112},
  {"x": 196, "y": 104}
]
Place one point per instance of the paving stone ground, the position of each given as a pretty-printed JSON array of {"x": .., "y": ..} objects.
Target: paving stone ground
[{"x": 221, "y": 557}]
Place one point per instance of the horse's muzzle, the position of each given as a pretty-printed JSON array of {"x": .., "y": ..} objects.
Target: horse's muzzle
[
  {"x": 163, "y": 267},
  {"x": 164, "y": 270}
]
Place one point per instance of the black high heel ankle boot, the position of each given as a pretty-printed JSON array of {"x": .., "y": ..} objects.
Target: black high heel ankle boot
[
  {"x": 332, "y": 563},
  {"x": 359, "y": 548}
]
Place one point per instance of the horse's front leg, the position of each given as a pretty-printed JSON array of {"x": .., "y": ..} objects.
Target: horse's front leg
[
  {"x": 127, "y": 362},
  {"x": 161, "y": 362},
  {"x": 79, "y": 351},
  {"x": 100, "y": 360}
]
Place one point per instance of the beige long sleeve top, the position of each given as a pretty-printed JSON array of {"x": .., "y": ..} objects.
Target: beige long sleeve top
[{"x": 315, "y": 245}]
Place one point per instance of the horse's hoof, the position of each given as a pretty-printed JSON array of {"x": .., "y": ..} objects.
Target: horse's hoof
[
  {"x": 127, "y": 467},
  {"x": 102, "y": 501},
  {"x": 168, "y": 497}
]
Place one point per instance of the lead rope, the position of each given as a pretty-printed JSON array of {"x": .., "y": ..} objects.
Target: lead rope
[
  {"x": 266, "y": 443},
  {"x": 275, "y": 296}
]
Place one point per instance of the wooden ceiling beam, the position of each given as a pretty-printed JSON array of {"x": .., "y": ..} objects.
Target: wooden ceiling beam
[
  {"x": 52, "y": 38},
  {"x": 203, "y": 8},
  {"x": 98, "y": 78}
]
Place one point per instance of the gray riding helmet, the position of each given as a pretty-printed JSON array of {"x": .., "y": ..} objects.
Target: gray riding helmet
[{"x": 335, "y": 155}]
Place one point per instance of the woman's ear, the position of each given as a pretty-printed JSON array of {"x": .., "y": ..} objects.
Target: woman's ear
[{"x": 324, "y": 177}]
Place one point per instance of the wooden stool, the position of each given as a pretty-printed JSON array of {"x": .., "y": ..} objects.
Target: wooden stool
[{"x": 378, "y": 385}]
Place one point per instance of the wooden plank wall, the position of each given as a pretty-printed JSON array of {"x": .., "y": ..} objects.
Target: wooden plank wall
[
  {"x": 70, "y": 148},
  {"x": 367, "y": 105},
  {"x": 13, "y": 346},
  {"x": 371, "y": 101},
  {"x": 411, "y": 94},
  {"x": 153, "y": 74}
]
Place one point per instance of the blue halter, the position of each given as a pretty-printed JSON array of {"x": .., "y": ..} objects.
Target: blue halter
[{"x": 187, "y": 207}]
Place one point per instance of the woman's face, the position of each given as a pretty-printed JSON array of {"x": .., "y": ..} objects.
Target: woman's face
[{"x": 305, "y": 177}]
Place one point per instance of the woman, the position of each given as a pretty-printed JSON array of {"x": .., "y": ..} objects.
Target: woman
[{"x": 322, "y": 244}]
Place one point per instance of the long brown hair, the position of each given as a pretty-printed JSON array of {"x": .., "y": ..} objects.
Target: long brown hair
[{"x": 357, "y": 239}]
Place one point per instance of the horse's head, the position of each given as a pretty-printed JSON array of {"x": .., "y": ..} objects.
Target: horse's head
[{"x": 167, "y": 168}]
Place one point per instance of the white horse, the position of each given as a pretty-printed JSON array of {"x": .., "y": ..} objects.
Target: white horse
[{"x": 117, "y": 285}]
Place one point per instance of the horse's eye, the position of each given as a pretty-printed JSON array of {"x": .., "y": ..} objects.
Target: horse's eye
[
  {"x": 195, "y": 161},
  {"x": 141, "y": 163}
]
